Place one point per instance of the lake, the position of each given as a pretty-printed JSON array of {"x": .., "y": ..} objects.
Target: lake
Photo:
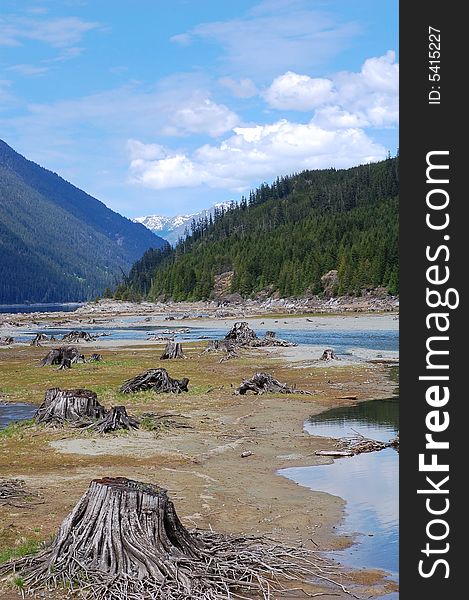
[
  {"x": 30, "y": 308},
  {"x": 368, "y": 482}
]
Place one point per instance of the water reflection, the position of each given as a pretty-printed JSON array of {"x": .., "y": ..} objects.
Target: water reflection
[{"x": 368, "y": 482}]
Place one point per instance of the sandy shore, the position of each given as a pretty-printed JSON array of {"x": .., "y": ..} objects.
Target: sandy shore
[{"x": 212, "y": 486}]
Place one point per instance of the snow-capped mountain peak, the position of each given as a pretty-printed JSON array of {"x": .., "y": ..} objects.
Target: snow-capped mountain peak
[{"x": 172, "y": 228}]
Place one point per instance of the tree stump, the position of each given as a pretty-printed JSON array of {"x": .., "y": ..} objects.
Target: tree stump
[
  {"x": 260, "y": 383},
  {"x": 65, "y": 364},
  {"x": 77, "y": 336},
  {"x": 157, "y": 380},
  {"x": 116, "y": 418},
  {"x": 58, "y": 355},
  {"x": 77, "y": 406},
  {"x": 6, "y": 340},
  {"x": 124, "y": 541},
  {"x": 271, "y": 339},
  {"x": 241, "y": 334},
  {"x": 329, "y": 354},
  {"x": 95, "y": 358},
  {"x": 38, "y": 338},
  {"x": 173, "y": 350}
]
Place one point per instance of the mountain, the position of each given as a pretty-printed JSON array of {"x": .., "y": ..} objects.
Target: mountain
[
  {"x": 173, "y": 228},
  {"x": 326, "y": 231},
  {"x": 58, "y": 243}
]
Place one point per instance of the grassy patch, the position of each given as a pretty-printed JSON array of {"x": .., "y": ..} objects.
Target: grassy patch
[
  {"x": 16, "y": 429},
  {"x": 28, "y": 546}
]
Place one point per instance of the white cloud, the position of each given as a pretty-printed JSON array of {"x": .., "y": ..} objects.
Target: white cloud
[
  {"x": 139, "y": 151},
  {"x": 256, "y": 153},
  {"x": 200, "y": 115},
  {"x": 28, "y": 70},
  {"x": 273, "y": 37},
  {"x": 57, "y": 32},
  {"x": 298, "y": 92},
  {"x": 241, "y": 88},
  {"x": 369, "y": 98}
]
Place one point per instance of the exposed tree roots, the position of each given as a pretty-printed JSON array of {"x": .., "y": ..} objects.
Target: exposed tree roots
[
  {"x": 124, "y": 541},
  {"x": 114, "y": 419},
  {"x": 13, "y": 492},
  {"x": 157, "y": 380},
  {"x": 260, "y": 383},
  {"x": 65, "y": 354},
  {"x": 75, "y": 337}
]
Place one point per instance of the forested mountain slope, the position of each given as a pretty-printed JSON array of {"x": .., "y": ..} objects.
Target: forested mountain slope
[
  {"x": 284, "y": 238},
  {"x": 57, "y": 243}
]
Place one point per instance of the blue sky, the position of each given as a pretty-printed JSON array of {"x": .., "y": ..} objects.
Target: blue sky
[{"x": 166, "y": 107}]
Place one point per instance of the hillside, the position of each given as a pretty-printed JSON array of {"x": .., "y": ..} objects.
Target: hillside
[
  {"x": 57, "y": 243},
  {"x": 284, "y": 238}
]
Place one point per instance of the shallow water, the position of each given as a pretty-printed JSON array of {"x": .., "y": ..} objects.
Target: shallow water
[
  {"x": 341, "y": 341},
  {"x": 18, "y": 411},
  {"x": 367, "y": 482}
]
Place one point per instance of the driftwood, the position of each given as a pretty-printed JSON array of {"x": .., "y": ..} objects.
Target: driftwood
[
  {"x": 173, "y": 350},
  {"x": 156, "y": 422},
  {"x": 77, "y": 336},
  {"x": 260, "y": 383},
  {"x": 270, "y": 339},
  {"x": 336, "y": 453},
  {"x": 116, "y": 418},
  {"x": 58, "y": 355},
  {"x": 359, "y": 444},
  {"x": 75, "y": 406},
  {"x": 124, "y": 540},
  {"x": 6, "y": 340},
  {"x": 13, "y": 492},
  {"x": 38, "y": 338},
  {"x": 157, "y": 380},
  {"x": 329, "y": 354}
]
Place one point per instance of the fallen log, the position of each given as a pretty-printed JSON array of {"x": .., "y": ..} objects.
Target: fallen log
[
  {"x": 337, "y": 453},
  {"x": 173, "y": 350},
  {"x": 157, "y": 380},
  {"x": 260, "y": 383},
  {"x": 76, "y": 406},
  {"x": 124, "y": 540},
  {"x": 116, "y": 418}
]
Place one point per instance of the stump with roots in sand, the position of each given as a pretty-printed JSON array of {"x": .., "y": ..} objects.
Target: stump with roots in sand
[
  {"x": 124, "y": 541},
  {"x": 173, "y": 350},
  {"x": 115, "y": 419},
  {"x": 157, "y": 380},
  {"x": 241, "y": 334},
  {"x": 75, "y": 406},
  {"x": 329, "y": 354},
  {"x": 260, "y": 383},
  {"x": 67, "y": 355}
]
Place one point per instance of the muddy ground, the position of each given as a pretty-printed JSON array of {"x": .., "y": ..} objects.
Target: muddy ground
[{"x": 200, "y": 464}]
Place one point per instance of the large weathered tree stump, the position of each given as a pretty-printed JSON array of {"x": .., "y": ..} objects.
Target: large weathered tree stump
[
  {"x": 260, "y": 383},
  {"x": 157, "y": 380},
  {"x": 173, "y": 350},
  {"x": 58, "y": 355},
  {"x": 115, "y": 419},
  {"x": 124, "y": 541},
  {"x": 77, "y": 406},
  {"x": 241, "y": 334},
  {"x": 225, "y": 346}
]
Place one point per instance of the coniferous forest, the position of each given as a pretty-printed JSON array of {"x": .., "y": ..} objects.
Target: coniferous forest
[{"x": 283, "y": 238}]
